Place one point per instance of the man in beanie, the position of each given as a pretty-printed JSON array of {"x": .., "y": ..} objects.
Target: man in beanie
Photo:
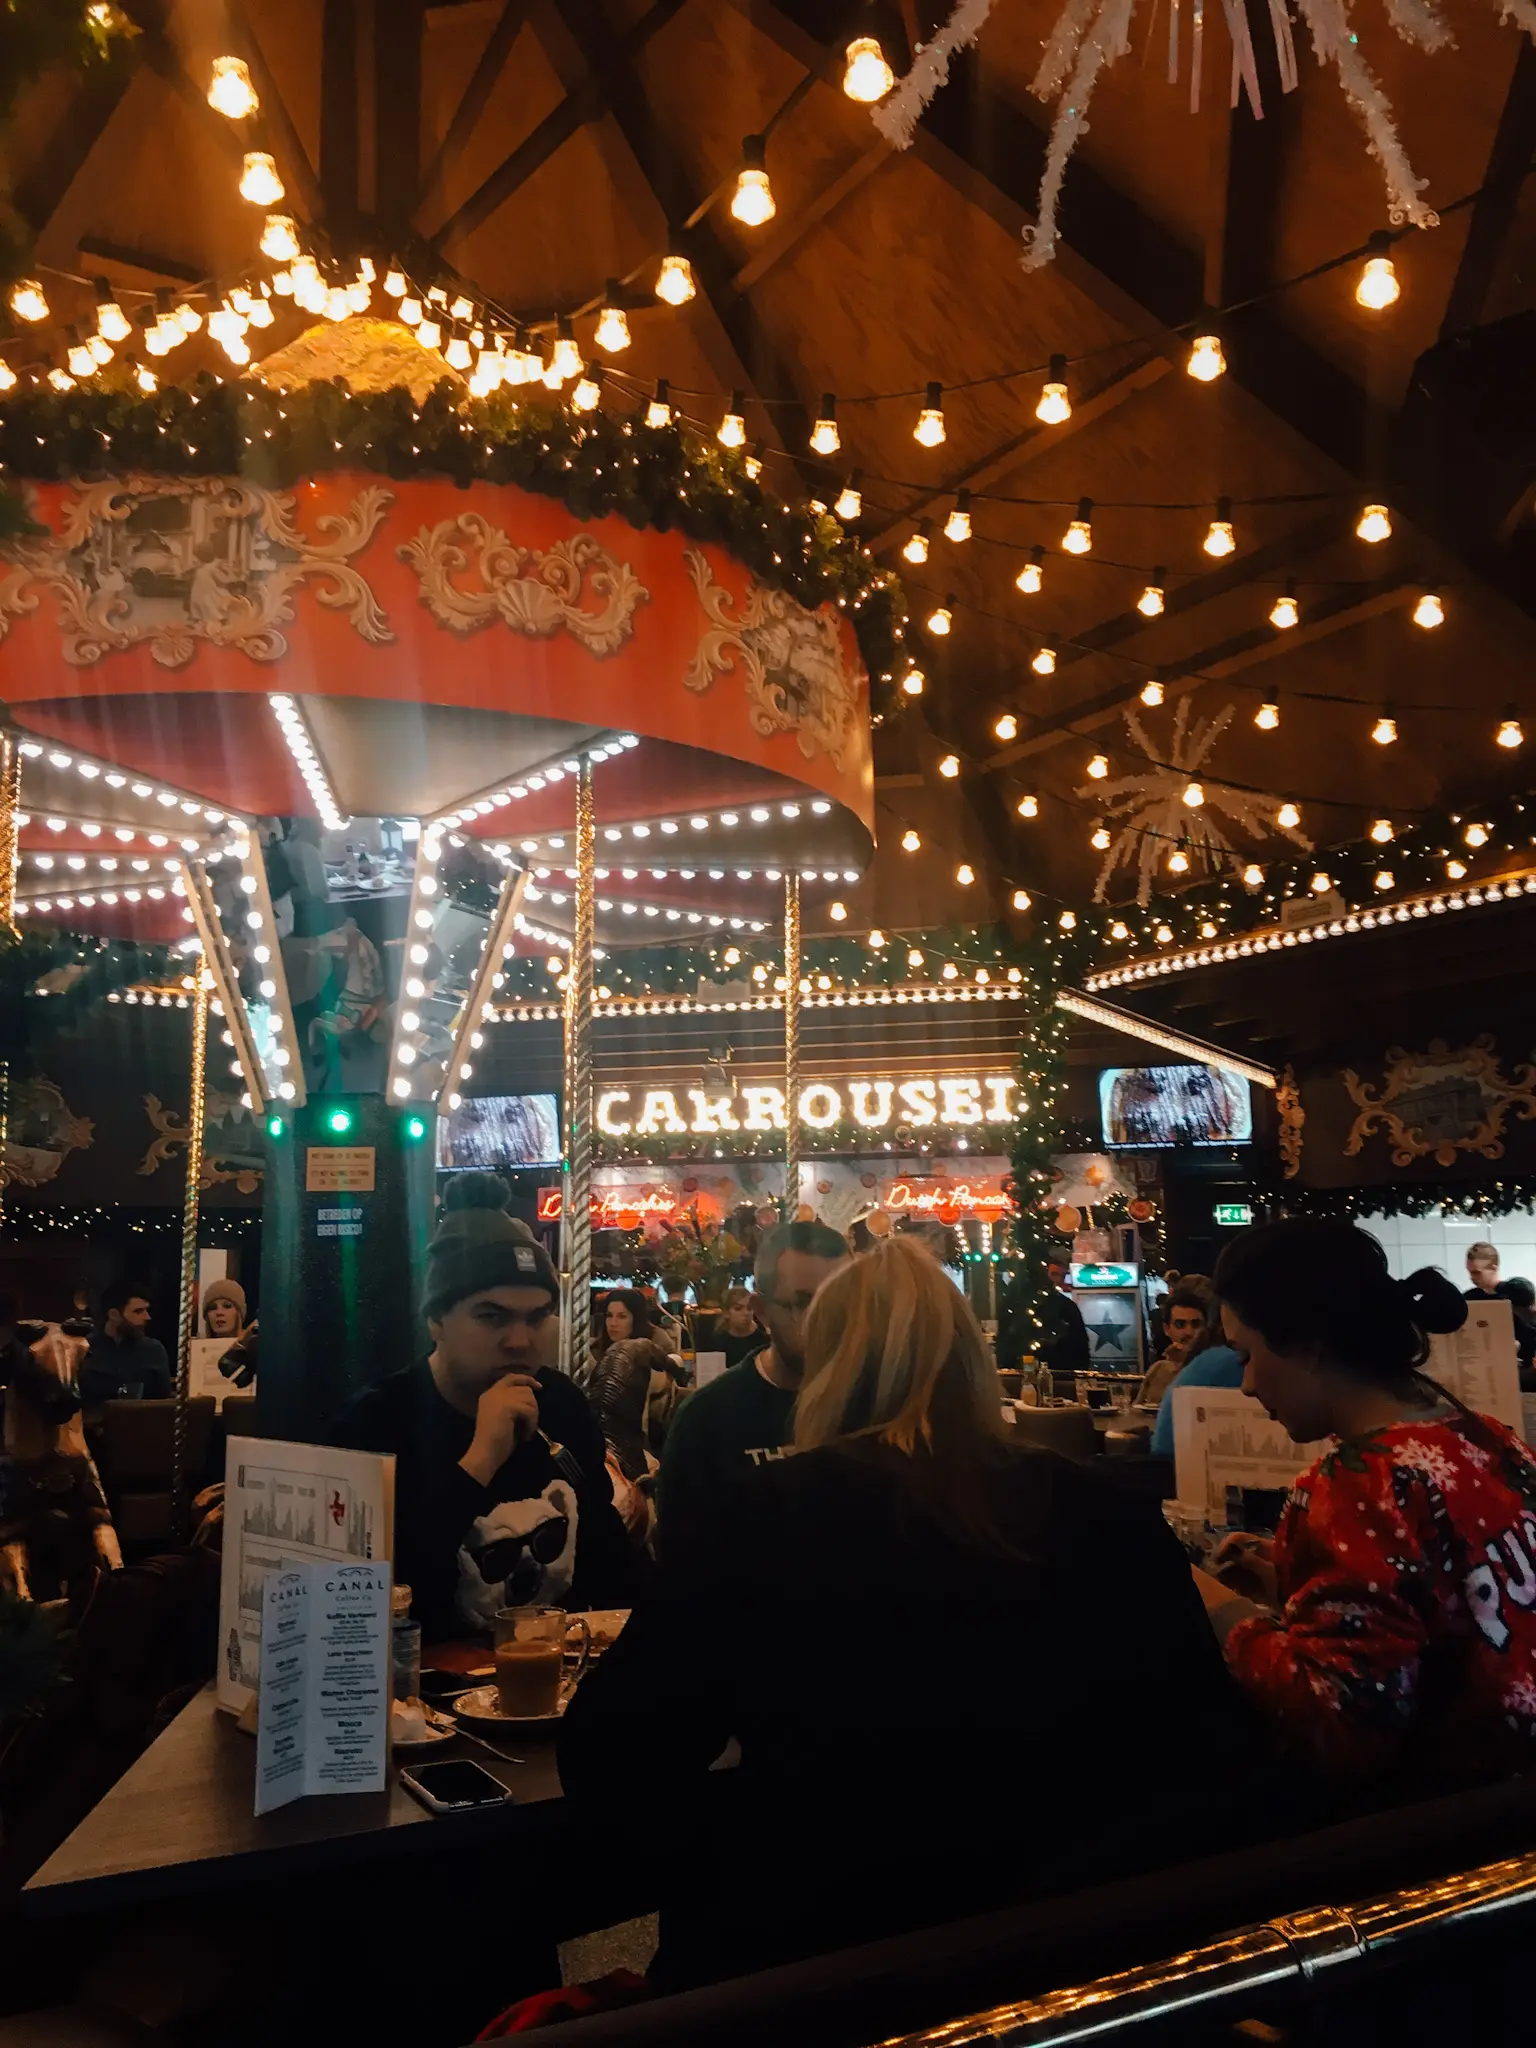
[{"x": 502, "y": 1496}]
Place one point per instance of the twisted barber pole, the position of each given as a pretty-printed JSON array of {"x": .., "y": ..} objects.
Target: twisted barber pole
[
  {"x": 186, "y": 1323},
  {"x": 10, "y": 800},
  {"x": 576, "y": 1198},
  {"x": 791, "y": 1046}
]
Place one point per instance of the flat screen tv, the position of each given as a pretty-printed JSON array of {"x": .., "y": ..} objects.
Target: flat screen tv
[
  {"x": 500, "y": 1130},
  {"x": 1141, "y": 1107}
]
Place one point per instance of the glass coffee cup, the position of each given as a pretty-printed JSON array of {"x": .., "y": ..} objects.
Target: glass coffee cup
[{"x": 529, "y": 1655}]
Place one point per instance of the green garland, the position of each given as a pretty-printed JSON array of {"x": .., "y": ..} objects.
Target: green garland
[
  {"x": 1413, "y": 1198},
  {"x": 595, "y": 464}
]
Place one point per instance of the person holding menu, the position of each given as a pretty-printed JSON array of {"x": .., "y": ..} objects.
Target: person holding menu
[{"x": 502, "y": 1496}]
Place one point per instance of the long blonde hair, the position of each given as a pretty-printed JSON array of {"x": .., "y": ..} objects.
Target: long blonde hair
[{"x": 893, "y": 1352}]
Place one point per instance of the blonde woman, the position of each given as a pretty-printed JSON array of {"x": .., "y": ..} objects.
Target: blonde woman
[{"x": 940, "y": 1656}]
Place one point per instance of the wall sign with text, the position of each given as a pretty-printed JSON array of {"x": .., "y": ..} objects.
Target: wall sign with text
[{"x": 949, "y": 1101}]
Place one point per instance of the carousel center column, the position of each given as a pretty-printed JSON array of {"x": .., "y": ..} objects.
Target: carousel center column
[
  {"x": 791, "y": 1046},
  {"x": 576, "y": 1200}
]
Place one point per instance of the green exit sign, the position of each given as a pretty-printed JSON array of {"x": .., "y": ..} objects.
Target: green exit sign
[{"x": 1235, "y": 1215}]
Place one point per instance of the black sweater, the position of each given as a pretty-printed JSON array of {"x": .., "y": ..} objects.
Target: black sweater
[
  {"x": 928, "y": 1729},
  {"x": 437, "y": 1502}
]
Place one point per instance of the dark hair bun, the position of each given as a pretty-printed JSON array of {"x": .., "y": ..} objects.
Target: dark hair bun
[
  {"x": 476, "y": 1190},
  {"x": 1433, "y": 1302}
]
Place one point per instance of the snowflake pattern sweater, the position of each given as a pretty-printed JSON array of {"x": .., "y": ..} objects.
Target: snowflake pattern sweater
[{"x": 1406, "y": 1564}]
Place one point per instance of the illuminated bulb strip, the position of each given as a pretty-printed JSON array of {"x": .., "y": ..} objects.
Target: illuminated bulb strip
[
  {"x": 285, "y": 1081},
  {"x": 671, "y": 913},
  {"x": 914, "y": 995},
  {"x": 1273, "y": 940},
  {"x": 1127, "y": 1022},
  {"x": 489, "y": 976},
  {"x": 214, "y": 952},
  {"x": 306, "y": 758},
  {"x": 123, "y": 782},
  {"x": 679, "y": 832},
  {"x": 555, "y": 770},
  {"x": 121, "y": 835}
]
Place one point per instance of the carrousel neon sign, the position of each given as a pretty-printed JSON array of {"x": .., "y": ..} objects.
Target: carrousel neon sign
[{"x": 948, "y": 1101}]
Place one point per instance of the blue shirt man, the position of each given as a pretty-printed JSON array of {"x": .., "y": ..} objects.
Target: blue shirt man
[{"x": 1221, "y": 1366}]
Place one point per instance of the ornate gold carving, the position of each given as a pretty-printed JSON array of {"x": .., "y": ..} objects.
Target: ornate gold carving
[
  {"x": 1441, "y": 1102},
  {"x": 532, "y": 592},
  {"x": 1293, "y": 1120},
  {"x": 796, "y": 677},
  {"x": 42, "y": 1131},
  {"x": 171, "y": 1127},
  {"x": 174, "y": 562}
]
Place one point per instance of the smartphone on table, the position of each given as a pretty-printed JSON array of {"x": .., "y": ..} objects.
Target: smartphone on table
[{"x": 454, "y": 1786}]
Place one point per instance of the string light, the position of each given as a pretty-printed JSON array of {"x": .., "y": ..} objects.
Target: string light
[
  {"x": 1151, "y": 693},
  {"x": 146, "y": 379},
  {"x": 1194, "y": 795},
  {"x": 1206, "y": 361},
  {"x": 867, "y": 77},
  {"x": 1253, "y": 876},
  {"x": 1283, "y": 613},
  {"x": 950, "y": 766},
  {"x": 1385, "y": 879},
  {"x": 1152, "y": 600},
  {"x": 1054, "y": 406},
  {"x": 965, "y": 874},
  {"x": 456, "y": 355},
  {"x": 1032, "y": 575},
  {"x": 837, "y": 912},
  {"x": 1178, "y": 862},
  {"x": 1374, "y": 524},
  {"x": 1006, "y": 727},
  {"x": 1429, "y": 612},
  {"x": 957, "y": 526},
  {"x": 732, "y": 430},
  {"x": 674, "y": 280},
  {"x": 565, "y": 360},
  {"x": 659, "y": 412},
  {"x": 1044, "y": 663},
  {"x": 81, "y": 362},
  {"x": 1456, "y": 869},
  {"x": 929, "y": 431},
  {"x": 1321, "y": 883},
  {"x": 912, "y": 682},
  {"x": 1267, "y": 717},
  {"x": 1119, "y": 929},
  {"x": 1378, "y": 287},
  {"x": 1384, "y": 731},
  {"x": 1021, "y": 902},
  {"x": 259, "y": 182},
  {"x": 589, "y": 388},
  {"x": 230, "y": 91},
  {"x": 942, "y": 617},
  {"x": 1476, "y": 835},
  {"x": 916, "y": 549},
  {"x": 1510, "y": 732},
  {"x": 1288, "y": 817},
  {"x": 1078, "y": 538},
  {"x": 850, "y": 501},
  {"x": 612, "y": 332},
  {"x": 910, "y": 842},
  {"x": 752, "y": 202},
  {"x": 280, "y": 238},
  {"x": 1381, "y": 831},
  {"x": 394, "y": 282},
  {"x": 112, "y": 323},
  {"x": 1028, "y": 806},
  {"x": 1218, "y": 535},
  {"x": 753, "y": 463},
  {"x": 28, "y": 300},
  {"x": 1100, "y": 840},
  {"x": 1068, "y": 920},
  {"x": 7, "y": 376},
  {"x": 1098, "y": 767},
  {"x": 825, "y": 439}
]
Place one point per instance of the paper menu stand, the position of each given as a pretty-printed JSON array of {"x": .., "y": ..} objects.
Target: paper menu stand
[
  {"x": 1479, "y": 1363},
  {"x": 322, "y": 1721},
  {"x": 707, "y": 1366},
  {"x": 1221, "y": 1438},
  {"x": 287, "y": 1505}
]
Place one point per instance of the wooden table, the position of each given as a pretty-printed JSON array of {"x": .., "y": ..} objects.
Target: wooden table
[{"x": 179, "y": 1822}]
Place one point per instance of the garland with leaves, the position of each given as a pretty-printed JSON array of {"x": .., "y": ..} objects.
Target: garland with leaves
[{"x": 595, "y": 464}]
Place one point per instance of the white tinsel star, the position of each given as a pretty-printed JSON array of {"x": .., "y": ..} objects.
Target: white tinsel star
[{"x": 1154, "y": 819}]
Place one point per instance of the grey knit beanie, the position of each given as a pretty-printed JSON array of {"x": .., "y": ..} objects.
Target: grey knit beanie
[{"x": 473, "y": 1249}]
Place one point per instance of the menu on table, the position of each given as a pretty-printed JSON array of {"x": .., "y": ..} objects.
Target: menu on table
[
  {"x": 322, "y": 1720},
  {"x": 1222, "y": 1437},
  {"x": 1479, "y": 1363}
]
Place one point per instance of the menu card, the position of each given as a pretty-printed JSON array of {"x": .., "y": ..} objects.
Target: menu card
[
  {"x": 323, "y": 1714},
  {"x": 1222, "y": 1437},
  {"x": 1479, "y": 1363}
]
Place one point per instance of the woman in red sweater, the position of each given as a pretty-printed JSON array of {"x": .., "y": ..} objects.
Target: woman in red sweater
[{"x": 1401, "y": 1641}]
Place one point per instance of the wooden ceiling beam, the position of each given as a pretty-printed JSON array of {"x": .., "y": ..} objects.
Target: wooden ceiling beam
[
  {"x": 148, "y": 263},
  {"x": 397, "y": 115},
  {"x": 1494, "y": 210},
  {"x": 473, "y": 101},
  {"x": 1249, "y": 175},
  {"x": 41, "y": 191},
  {"x": 791, "y": 233},
  {"x": 557, "y": 127},
  {"x": 338, "y": 111}
]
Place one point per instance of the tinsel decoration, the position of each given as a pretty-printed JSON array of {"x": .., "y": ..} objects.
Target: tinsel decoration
[
  {"x": 1334, "y": 41},
  {"x": 1108, "y": 37},
  {"x": 899, "y": 112}
]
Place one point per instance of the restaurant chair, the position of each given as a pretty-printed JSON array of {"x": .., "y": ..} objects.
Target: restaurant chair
[
  {"x": 138, "y": 1441},
  {"x": 1067, "y": 1431}
]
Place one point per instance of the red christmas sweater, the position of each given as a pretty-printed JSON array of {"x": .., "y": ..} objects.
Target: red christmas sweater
[{"x": 1406, "y": 1562}]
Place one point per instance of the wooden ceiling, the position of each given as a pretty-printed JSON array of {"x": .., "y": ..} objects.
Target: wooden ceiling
[{"x": 543, "y": 146}]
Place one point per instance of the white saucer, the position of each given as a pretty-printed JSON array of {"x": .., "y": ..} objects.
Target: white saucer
[
  {"x": 484, "y": 1707},
  {"x": 440, "y": 1728}
]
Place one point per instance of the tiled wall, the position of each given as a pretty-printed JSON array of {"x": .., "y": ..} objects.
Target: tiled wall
[{"x": 1414, "y": 1241}]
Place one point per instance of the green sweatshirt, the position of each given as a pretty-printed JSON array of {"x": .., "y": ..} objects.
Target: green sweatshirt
[{"x": 718, "y": 1433}]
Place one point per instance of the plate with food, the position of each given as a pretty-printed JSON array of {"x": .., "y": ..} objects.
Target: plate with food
[
  {"x": 606, "y": 1623},
  {"x": 415, "y": 1725},
  {"x": 482, "y": 1708}
]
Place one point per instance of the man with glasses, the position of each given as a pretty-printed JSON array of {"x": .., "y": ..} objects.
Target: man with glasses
[
  {"x": 502, "y": 1494},
  {"x": 747, "y": 1415}
]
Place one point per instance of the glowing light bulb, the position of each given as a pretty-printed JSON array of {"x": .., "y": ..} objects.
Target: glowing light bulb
[
  {"x": 1384, "y": 731},
  {"x": 261, "y": 314},
  {"x": 1381, "y": 831},
  {"x": 659, "y": 412},
  {"x": 850, "y": 502},
  {"x": 1028, "y": 807},
  {"x": 912, "y": 682},
  {"x": 1119, "y": 929},
  {"x": 1378, "y": 287},
  {"x": 1267, "y": 717},
  {"x": 1020, "y": 900},
  {"x": 1194, "y": 795},
  {"x": 1152, "y": 600},
  {"x": 752, "y": 202},
  {"x": 1218, "y": 535},
  {"x": 1288, "y": 817},
  {"x": 837, "y": 912},
  {"x": 753, "y": 463},
  {"x": 188, "y": 318},
  {"x": 612, "y": 331},
  {"x": 1510, "y": 732},
  {"x": 112, "y": 323},
  {"x": 867, "y": 77},
  {"x": 965, "y": 874},
  {"x": 825, "y": 439},
  {"x": 1321, "y": 883},
  {"x": 146, "y": 379},
  {"x": 916, "y": 548},
  {"x": 280, "y": 238},
  {"x": 941, "y": 618},
  {"x": 1078, "y": 538},
  {"x": 929, "y": 431},
  {"x": 100, "y": 350},
  {"x": 28, "y": 300},
  {"x": 338, "y": 306},
  {"x": 1054, "y": 406},
  {"x": 429, "y": 333},
  {"x": 1152, "y": 693},
  {"x": 589, "y": 388},
  {"x": 566, "y": 356},
  {"x": 1283, "y": 613},
  {"x": 1098, "y": 767},
  {"x": 1476, "y": 835},
  {"x": 1044, "y": 663},
  {"x": 1374, "y": 523},
  {"x": 81, "y": 362},
  {"x": 1007, "y": 727},
  {"x": 1206, "y": 361},
  {"x": 1455, "y": 869},
  {"x": 958, "y": 525},
  {"x": 1178, "y": 862},
  {"x": 1385, "y": 879},
  {"x": 1429, "y": 612},
  {"x": 1253, "y": 876},
  {"x": 950, "y": 766},
  {"x": 394, "y": 281},
  {"x": 674, "y": 280},
  {"x": 1032, "y": 576},
  {"x": 910, "y": 842},
  {"x": 1100, "y": 841},
  {"x": 259, "y": 182},
  {"x": 732, "y": 431},
  {"x": 456, "y": 355},
  {"x": 1068, "y": 920},
  {"x": 230, "y": 91}
]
